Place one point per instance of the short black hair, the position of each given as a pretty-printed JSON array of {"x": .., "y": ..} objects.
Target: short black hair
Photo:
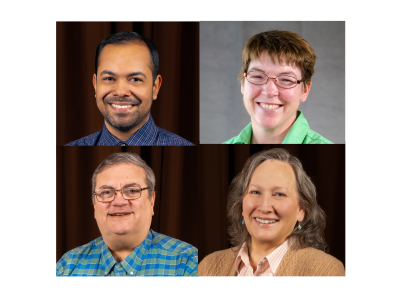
[{"x": 124, "y": 38}]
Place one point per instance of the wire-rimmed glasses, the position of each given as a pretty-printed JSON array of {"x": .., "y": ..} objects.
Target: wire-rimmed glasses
[
  {"x": 128, "y": 193},
  {"x": 260, "y": 78}
]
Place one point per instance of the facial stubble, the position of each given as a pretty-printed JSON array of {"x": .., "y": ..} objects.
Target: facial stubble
[{"x": 122, "y": 121}]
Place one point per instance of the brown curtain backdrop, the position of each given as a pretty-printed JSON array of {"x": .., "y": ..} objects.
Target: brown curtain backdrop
[
  {"x": 177, "y": 106},
  {"x": 191, "y": 191}
]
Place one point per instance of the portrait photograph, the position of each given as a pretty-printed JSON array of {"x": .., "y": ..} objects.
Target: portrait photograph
[
  {"x": 191, "y": 192},
  {"x": 309, "y": 110},
  {"x": 127, "y": 83}
]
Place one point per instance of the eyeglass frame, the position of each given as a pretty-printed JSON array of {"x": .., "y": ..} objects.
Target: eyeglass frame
[
  {"x": 122, "y": 194},
  {"x": 274, "y": 78}
]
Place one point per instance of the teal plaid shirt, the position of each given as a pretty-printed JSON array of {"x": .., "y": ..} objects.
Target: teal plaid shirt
[{"x": 157, "y": 255}]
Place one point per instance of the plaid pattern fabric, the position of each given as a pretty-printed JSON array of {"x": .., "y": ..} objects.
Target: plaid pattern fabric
[
  {"x": 158, "y": 255},
  {"x": 265, "y": 267},
  {"x": 148, "y": 135}
]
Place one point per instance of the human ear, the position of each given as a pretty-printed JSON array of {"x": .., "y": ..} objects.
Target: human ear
[
  {"x": 152, "y": 200},
  {"x": 156, "y": 86},
  {"x": 94, "y": 84},
  {"x": 300, "y": 215},
  {"x": 306, "y": 90}
]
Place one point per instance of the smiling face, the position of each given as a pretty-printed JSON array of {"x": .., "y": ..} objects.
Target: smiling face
[
  {"x": 124, "y": 218},
  {"x": 271, "y": 107},
  {"x": 270, "y": 206},
  {"x": 124, "y": 86}
]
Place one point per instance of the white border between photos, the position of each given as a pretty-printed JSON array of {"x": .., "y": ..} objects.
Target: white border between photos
[{"x": 29, "y": 156}]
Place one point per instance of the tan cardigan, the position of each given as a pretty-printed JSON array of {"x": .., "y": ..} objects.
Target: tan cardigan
[{"x": 301, "y": 262}]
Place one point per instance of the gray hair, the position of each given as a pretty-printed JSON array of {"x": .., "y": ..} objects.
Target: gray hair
[
  {"x": 313, "y": 224},
  {"x": 125, "y": 158}
]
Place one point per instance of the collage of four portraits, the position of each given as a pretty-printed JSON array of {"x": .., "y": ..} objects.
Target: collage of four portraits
[{"x": 200, "y": 148}]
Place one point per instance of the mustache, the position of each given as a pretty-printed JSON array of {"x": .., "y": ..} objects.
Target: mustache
[{"x": 125, "y": 100}]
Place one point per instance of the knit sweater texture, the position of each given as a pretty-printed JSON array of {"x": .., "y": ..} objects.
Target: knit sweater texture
[{"x": 296, "y": 262}]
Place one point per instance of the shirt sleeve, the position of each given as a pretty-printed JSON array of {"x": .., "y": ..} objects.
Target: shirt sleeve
[
  {"x": 61, "y": 266},
  {"x": 192, "y": 264}
]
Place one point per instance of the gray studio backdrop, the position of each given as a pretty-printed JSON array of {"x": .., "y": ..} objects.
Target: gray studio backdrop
[{"x": 222, "y": 113}]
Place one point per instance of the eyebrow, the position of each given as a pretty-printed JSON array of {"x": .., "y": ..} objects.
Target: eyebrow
[
  {"x": 261, "y": 187},
  {"x": 129, "y": 75},
  {"x": 104, "y": 186},
  {"x": 132, "y": 184},
  {"x": 280, "y": 74}
]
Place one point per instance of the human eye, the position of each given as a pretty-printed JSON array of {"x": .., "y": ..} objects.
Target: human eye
[
  {"x": 255, "y": 192},
  {"x": 136, "y": 79},
  {"x": 132, "y": 191},
  {"x": 105, "y": 193},
  {"x": 108, "y": 79},
  {"x": 279, "y": 194},
  {"x": 256, "y": 75},
  {"x": 287, "y": 79}
]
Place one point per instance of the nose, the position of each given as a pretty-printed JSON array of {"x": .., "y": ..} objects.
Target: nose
[
  {"x": 121, "y": 88},
  {"x": 119, "y": 200},
  {"x": 270, "y": 88},
  {"x": 266, "y": 206}
]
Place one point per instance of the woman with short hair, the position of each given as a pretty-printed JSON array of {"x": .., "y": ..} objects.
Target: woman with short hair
[
  {"x": 276, "y": 224},
  {"x": 275, "y": 78}
]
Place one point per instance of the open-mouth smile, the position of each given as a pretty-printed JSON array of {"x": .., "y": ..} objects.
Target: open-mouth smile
[
  {"x": 266, "y": 222},
  {"x": 121, "y": 108},
  {"x": 270, "y": 107},
  {"x": 119, "y": 215}
]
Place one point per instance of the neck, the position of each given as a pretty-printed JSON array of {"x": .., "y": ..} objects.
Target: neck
[
  {"x": 257, "y": 251},
  {"x": 274, "y": 135},
  {"x": 122, "y": 245},
  {"x": 125, "y": 135}
]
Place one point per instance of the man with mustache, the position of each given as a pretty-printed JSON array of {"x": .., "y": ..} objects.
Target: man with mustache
[
  {"x": 123, "y": 195},
  {"x": 126, "y": 81}
]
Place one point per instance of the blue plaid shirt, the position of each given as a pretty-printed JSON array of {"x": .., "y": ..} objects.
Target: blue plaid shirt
[
  {"x": 157, "y": 255},
  {"x": 148, "y": 135}
]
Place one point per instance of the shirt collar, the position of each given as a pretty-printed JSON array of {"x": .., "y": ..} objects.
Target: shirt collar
[
  {"x": 245, "y": 135},
  {"x": 273, "y": 259},
  {"x": 297, "y": 133},
  {"x": 132, "y": 262},
  {"x": 146, "y": 135}
]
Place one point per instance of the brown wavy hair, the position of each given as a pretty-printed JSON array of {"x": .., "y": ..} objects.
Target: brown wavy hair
[
  {"x": 281, "y": 44},
  {"x": 313, "y": 224}
]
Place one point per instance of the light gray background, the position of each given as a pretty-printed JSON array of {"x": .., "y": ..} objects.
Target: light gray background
[{"x": 222, "y": 113}]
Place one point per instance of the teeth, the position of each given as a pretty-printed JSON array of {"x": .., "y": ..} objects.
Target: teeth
[
  {"x": 266, "y": 221},
  {"x": 121, "y": 106},
  {"x": 266, "y": 106}
]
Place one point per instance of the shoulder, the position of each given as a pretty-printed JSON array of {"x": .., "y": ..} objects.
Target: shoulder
[
  {"x": 313, "y": 137},
  {"x": 166, "y": 138},
  {"x": 244, "y": 136},
  {"x": 172, "y": 246},
  {"x": 72, "y": 258},
  {"x": 233, "y": 140},
  {"x": 86, "y": 141},
  {"x": 218, "y": 263},
  {"x": 310, "y": 262}
]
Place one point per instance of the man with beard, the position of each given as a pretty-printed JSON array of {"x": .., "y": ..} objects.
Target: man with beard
[{"x": 126, "y": 81}]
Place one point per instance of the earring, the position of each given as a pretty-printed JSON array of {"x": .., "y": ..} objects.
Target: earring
[
  {"x": 243, "y": 221},
  {"x": 299, "y": 227}
]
